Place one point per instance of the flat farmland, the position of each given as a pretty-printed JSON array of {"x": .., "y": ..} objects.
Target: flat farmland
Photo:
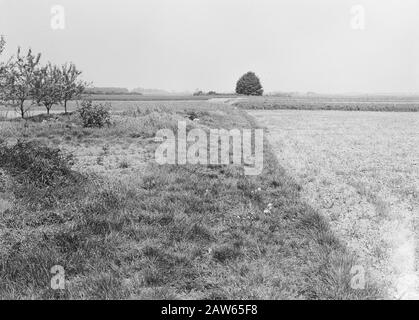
[
  {"x": 333, "y": 102},
  {"x": 127, "y": 228},
  {"x": 360, "y": 170},
  {"x": 138, "y": 97}
]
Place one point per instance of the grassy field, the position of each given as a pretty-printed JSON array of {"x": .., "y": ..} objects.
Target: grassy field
[
  {"x": 124, "y": 227},
  {"x": 360, "y": 171},
  {"x": 342, "y": 103},
  {"x": 118, "y": 105}
]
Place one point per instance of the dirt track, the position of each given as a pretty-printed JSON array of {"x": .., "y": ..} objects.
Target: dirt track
[{"x": 361, "y": 171}]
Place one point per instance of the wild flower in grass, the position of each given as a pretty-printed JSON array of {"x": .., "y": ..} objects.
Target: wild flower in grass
[{"x": 268, "y": 210}]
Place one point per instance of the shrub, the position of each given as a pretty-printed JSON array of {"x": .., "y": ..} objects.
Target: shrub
[
  {"x": 192, "y": 115},
  {"x": 94, "y": 115},
  {"x": 42, "y": 175},
  {"x": 249, "y": 84},
  {"x": 33, "y": 162}
]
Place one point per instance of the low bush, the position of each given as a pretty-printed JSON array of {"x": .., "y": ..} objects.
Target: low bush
[
  {"x": 42, "y": 175},
  {"x": 94, "y": 115},
  {"x": 34, "y": 162}
]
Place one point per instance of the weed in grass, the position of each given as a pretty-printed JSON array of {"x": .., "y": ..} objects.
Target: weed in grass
[
  {"x": 198, "y": 232},
  {"x": 226, "y": 252},
  {"x": 123, "y": 164},
  {"x": 99, "y": 160}
]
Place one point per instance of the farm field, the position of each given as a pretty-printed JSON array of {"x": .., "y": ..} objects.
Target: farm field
[
  {"x": 335, "y": 102},
  {"x": 360, "y": 170}
]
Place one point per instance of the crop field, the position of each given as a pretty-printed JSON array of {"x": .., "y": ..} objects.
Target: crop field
[
  {"x": 343, "y": 103},
  {"x": 360, "y": 170}
]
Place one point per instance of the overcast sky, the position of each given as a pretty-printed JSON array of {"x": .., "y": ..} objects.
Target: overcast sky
[{"x": 292, "y": 45}]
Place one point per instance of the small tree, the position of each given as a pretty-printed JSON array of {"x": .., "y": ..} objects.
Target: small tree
[
  {"x": 72, "y": 87},
  {"x": 3, "y": 69},
  {"x": 47, "y": 86},
  {"x": 249, "y": 84},
  {"x": 2, "y": 44},
  {"x": 18, "y": 81}
]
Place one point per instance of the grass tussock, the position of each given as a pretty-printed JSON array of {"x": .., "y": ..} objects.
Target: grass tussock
[
  {"x": 186, "y": 231},
  {"x": 41, "y": 175}
]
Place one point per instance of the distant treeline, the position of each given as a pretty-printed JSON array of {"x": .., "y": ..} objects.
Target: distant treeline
[
  {"x": 109, "y": 90},
  {"x": 209, "y": 93},
  {"x": 147, "y": 97},
  {"x": 141, "y": 91}
]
